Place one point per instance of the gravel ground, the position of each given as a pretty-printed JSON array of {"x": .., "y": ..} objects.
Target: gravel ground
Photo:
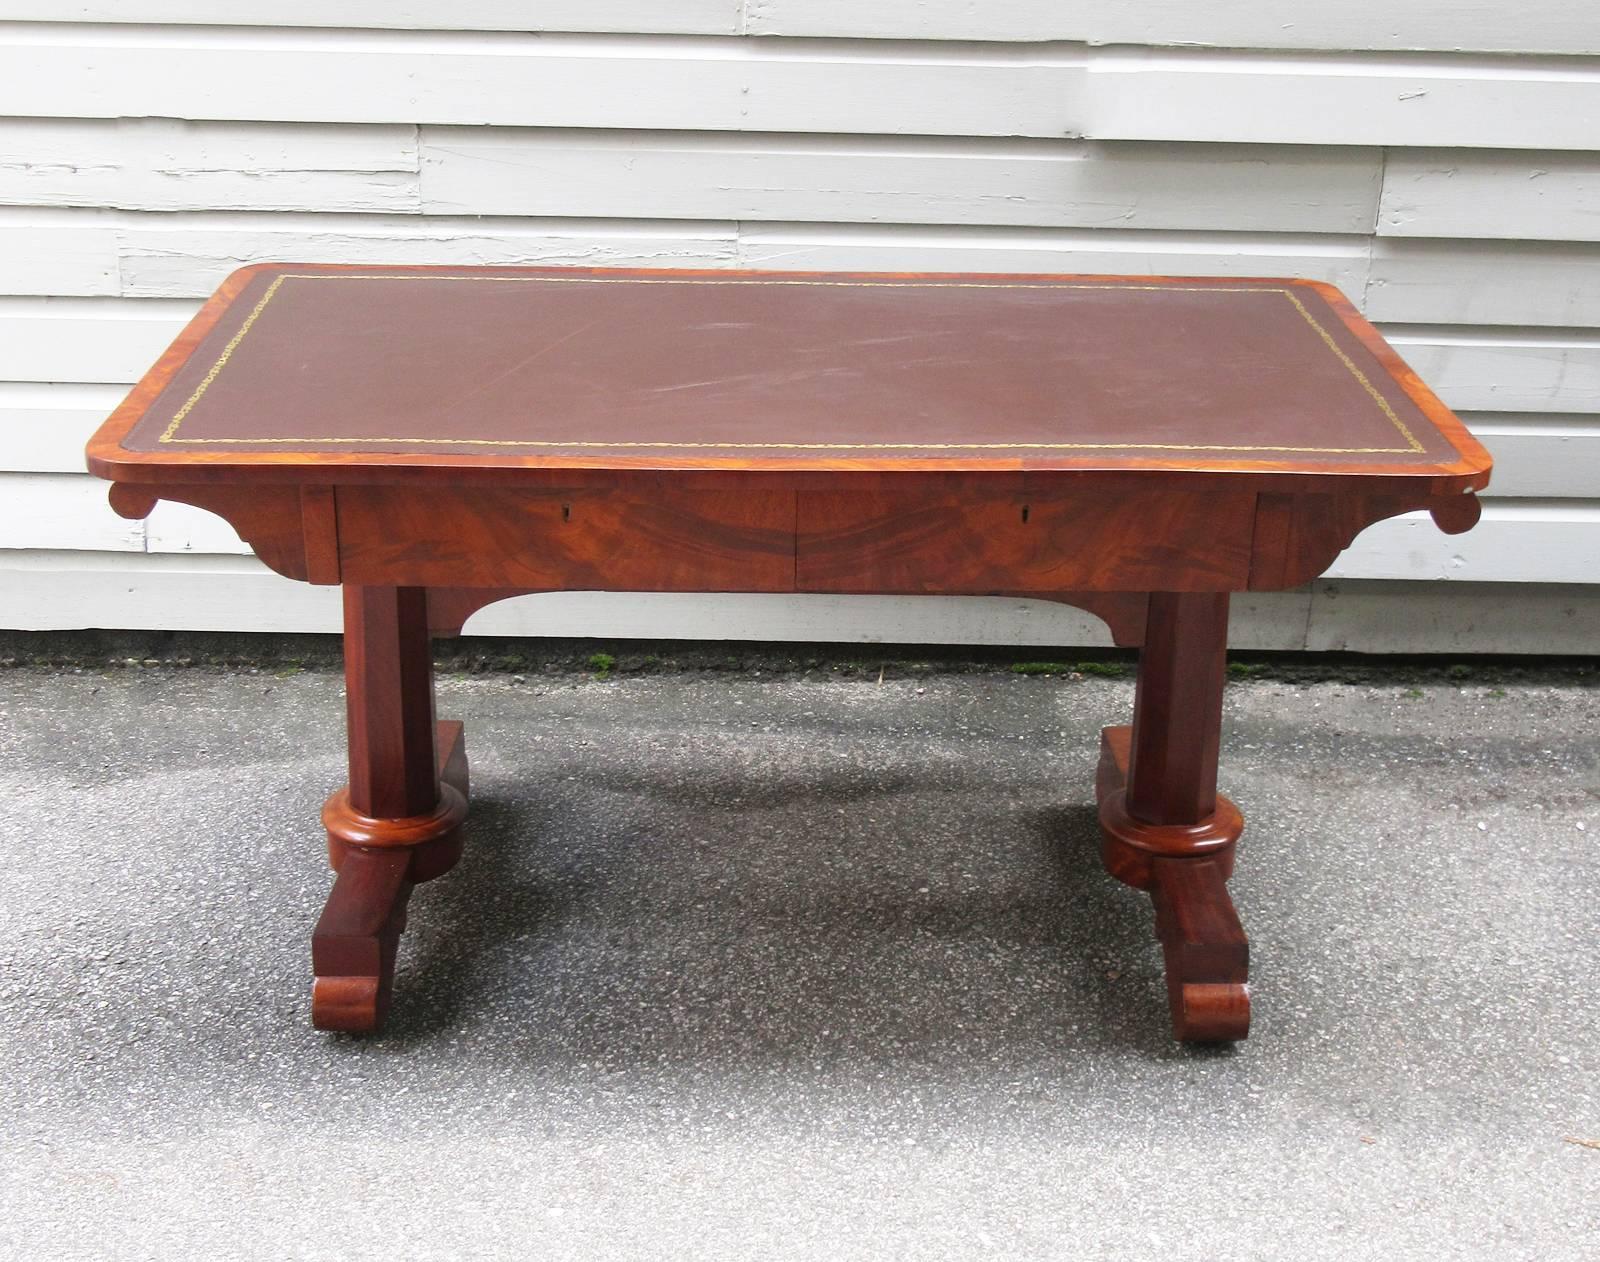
[{"x": 793, "y": 965}]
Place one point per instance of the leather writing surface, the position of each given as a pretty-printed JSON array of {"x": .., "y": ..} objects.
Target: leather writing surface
[{"x": 498, "y": 362}]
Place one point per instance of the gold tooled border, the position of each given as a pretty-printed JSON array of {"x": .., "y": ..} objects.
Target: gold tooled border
[{"x": 170, "y": 434}]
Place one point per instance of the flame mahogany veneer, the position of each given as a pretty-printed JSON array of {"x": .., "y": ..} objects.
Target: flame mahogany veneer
[{"x": 436, "y": 439}]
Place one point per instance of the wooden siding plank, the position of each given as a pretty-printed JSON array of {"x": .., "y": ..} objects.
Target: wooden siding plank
[
  {"x": 1396, "y": 616},
  {"x": 57, "y": 258},
  {"x": 1379, "y": 99},
  {"x": 171, "y": 164},
  {"x": 1540, "y": 455},
  {"x": 43, "y": 428},
  {"x": 1341, "y": 261},
  {"x": 708, "y": 83},
  {"x": 185, "y": 254},
  {"x": 66, "y": 590},
  {"x": 1484, "y": 282},
  {"x": 682, "y": 17},
  {"x": 86, "y": 339},
  {"x": 922, "y": 180},
  {"x": 539, "y": 81},
  {"x": 63, "y": 511},
  {"x": 63, "y": 590},
  {"x": 1502, "y": 196},
  {"x": 188, "y": 255},
  {"x": 1538, "y": 26},
  {"x": 1504, "y": 370}
]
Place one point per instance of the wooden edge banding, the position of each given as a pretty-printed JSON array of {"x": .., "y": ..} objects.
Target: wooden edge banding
[
  {"x": 106, "y": 456},
  {"x": 1475, "y": 461},
  {"x": 319, "y": 523}
]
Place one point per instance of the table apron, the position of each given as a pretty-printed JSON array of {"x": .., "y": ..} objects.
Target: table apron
[{"x": 784, "y": 540}]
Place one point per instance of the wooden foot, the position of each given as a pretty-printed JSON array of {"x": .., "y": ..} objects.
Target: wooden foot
[
  {"x": 353, "y": 947},
  {"x": 377, "y": 862},
  {"x": 1185, "y": 868},
  {"x": 1207, "y": 955},
  {"x": 398, "y": 820}
]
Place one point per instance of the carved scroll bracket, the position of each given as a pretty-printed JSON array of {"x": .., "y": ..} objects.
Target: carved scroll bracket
[
  {"x": 1297, "y": 537},
  {"x": 291, "y": 529}
]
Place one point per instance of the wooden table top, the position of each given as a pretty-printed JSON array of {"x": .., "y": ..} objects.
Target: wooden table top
[{"x": 358, "y": 370}]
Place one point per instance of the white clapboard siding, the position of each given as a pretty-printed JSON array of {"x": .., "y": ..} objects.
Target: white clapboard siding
[
  {"x": 1381, "y": 99},
  {"x": 1505, "y": 370},
  {"x": 188, "y": 255},
  {"x": 918, "y": 180},
  {"x": 1555, "y": 26},
  {"x": 1517, "y": 541},
  {"x": 86, "y": 339},
  {"x": 43, "y": 428},
  {"x": 1499, "y": 196},
  {"x": 1484, "y": 282},
  {"x": 62, "y": 590},
  {"x": 1540, "y": 455},
  {"x": 174, "y": 164},
  {"x": 1535, "y": 26},
  {"x": 149, "y": 147},
  {"x": 682, "y": 17},
  {"x": 1397, "y": 616},
  {"x": 1341, "y": 261},
  {"x": 539, "y": 81},
  {"x": 175, "y": 259},
  {"x": 705, "y": 83},
  {"x": 69, "y": 511},
  {"x": 52, "y": 258}
]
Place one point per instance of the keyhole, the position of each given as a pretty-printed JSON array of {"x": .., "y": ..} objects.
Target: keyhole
[{"x": 1024, "y": 514}]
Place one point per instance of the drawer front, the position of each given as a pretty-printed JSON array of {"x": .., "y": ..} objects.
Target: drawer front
[
  {"x": 1104, "y": 540},
  {"x": 683, "y": 541}
]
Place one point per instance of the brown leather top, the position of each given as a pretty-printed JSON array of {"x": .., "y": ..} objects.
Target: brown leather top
[{"x": 573, "y": 366}]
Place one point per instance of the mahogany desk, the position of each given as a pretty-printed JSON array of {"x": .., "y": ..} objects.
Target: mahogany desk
[{"x": 436, "y": 439}]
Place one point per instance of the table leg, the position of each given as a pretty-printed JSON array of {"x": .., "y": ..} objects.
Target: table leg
[
  {"x": 1165, "y": 828},
  {"x": 398, "y": 821}
]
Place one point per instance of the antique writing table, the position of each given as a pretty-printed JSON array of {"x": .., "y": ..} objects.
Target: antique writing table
[{"x": 436, "y": 439}]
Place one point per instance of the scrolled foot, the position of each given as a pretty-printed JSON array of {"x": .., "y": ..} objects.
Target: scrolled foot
[
  {"x": 1209, "y": 1012},
  {"x": 353, "y": 947},
  {"x": 1206, "y": 952},
  {"x": 377, "y": 862},
  {"x": 1185, "y": 869}
]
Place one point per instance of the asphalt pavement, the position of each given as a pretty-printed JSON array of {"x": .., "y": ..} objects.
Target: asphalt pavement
[{"x": 798, "y": 964}]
